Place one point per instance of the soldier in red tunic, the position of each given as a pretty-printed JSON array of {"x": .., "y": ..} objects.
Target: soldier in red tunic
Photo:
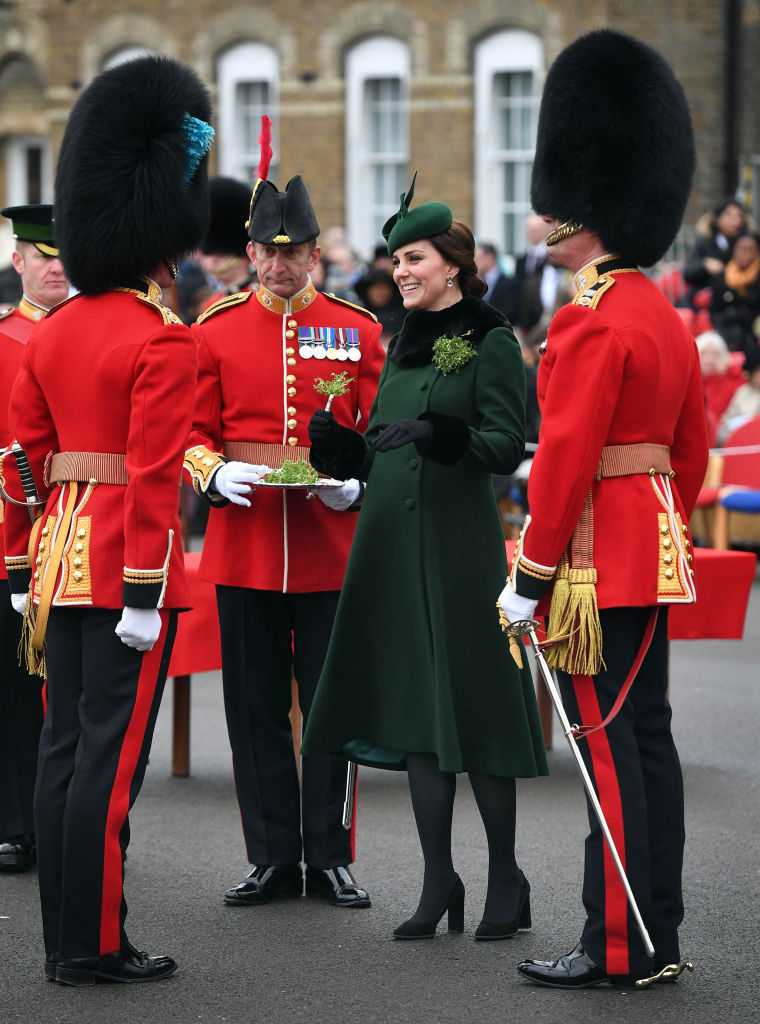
[
  {"x": 102, "y": 406},
  {"x": 44, "y": 284},
  {"x": 621, "y": 456},
  {"x": 278, "y": 556}
]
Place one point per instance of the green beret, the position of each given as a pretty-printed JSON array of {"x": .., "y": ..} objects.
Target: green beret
[{"x": 422, "y": 222}]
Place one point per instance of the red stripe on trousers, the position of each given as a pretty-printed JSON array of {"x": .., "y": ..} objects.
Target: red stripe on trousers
[
  {"x": 118, "y": 806},
  {"x": 608, "y": 791}
]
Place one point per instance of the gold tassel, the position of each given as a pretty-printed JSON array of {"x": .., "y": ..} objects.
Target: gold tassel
[
  {"x": 33, "y": 661},
  {"x": 574, "y": 617}
]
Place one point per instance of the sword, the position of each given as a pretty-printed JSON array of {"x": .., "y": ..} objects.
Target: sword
[
  {"x": 32, "y": 498},
  {"x": 527, "y": 627},
  {"x": 348, "y": 804}
]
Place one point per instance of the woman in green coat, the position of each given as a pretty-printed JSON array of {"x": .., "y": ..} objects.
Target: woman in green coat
[{"x": 418, "y": 675}]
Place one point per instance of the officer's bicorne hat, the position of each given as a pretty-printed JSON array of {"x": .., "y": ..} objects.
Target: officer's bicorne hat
[
  {"x": 131, "y": 187},
  {"x": 279, "y": 218},
  {"x": 615, "y": 147},
  {"x": 33, "y": 224},
  {"x": 423, "y": 221},
  {"x": 229, "y": 202}
]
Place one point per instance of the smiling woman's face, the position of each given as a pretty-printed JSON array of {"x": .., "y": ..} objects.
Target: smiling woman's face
[{"x": 421, "y": 274}]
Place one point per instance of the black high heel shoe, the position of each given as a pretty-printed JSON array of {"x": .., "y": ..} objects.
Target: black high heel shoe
[
  {"x": 489, "y": 930},
  {"x": 426, "y": 929}
]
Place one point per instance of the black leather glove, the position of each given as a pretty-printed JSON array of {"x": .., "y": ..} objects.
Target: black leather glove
[
  {"x": 323, "y": 427},
  {"x": 402, "y": 432}
]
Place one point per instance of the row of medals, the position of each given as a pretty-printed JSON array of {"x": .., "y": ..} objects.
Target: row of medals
[{"x": 318, "y": 351}]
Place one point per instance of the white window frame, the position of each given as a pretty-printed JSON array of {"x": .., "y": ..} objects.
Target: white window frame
[
  {"x": 246, "y": 62},
  {"x": 379, "y": 57},
  {"x": 509, "y": 51},
  {"x": 124, "y": 54}
]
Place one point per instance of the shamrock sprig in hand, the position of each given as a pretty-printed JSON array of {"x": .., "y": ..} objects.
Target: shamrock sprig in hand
[
  {"x": 451, "y": 354},
  {"x": 332, "y": 388}
]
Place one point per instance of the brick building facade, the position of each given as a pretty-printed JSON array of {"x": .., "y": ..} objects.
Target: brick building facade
[{"x": 50, "y": 49}]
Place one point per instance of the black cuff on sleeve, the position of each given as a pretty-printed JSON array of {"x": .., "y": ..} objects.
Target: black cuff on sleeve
[
  {"x": 141, "y": 595},
  {"x": 342, "y": 458},
  {"x": 19, "y": 580},
  {"x": 450, "y": 441}
]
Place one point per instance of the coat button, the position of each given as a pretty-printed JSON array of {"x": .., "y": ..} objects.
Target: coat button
[
  {"x": 290, "y": 351},
  {"x": 81, "y": 532},
  {"x": 668, "y": 559},
  {"x": 666, "y": 543},
  {"x": 292, "y": 441},
  {"x": 292, "y": 323},
  {"x": 79, "y": 547},
  {"x": 413, "y": 463},
  {"x": 292, "y": 410},
  {"x": 292, "y": 392},
  {"x": 291, "y": 362},
  {"x": 410, "y": 503},
  {"x": 292, "y": 424},
  {"x": 664, "y": 529},
  {"x": 668, "y": 574},
  {"x": 290, "y": 334},
  {"x": 290, "y": 379}
]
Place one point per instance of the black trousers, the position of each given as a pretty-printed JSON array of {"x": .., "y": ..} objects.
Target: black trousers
[
  {"x": 637, "y": 777},
  {"x": 267, "y": 637},
  {"x": 103, "y": 698},
  {"x": 20, "y": 724}
]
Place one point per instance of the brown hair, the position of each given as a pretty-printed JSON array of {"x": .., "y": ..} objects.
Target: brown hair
[{"x": 457, "y": 246}]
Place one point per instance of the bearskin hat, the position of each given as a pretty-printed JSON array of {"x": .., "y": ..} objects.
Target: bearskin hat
[
  {"x": 131, "y": 186},
  {"x": 228, "y": 201},
  {"x": 615, "y": 147}
]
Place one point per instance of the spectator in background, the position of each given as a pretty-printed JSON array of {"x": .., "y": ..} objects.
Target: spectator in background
[
  {"x": 378, "y": 293},
  {"x": 745, "y": 402},
  {"x": 715, "y": 235},
  {"x": 735, "y": 302},
  {"x": 721, "y": 376},
  {"x": 503, "y": 291}
]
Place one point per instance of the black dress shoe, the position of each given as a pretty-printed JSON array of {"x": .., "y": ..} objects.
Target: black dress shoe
[
  {"x": 412, "y": 929},
  {"x": 575, "y": 970},
  {"x": 490, "y": 930},
  {"x": 267, "y": 882},
  {"x": 18, "y": 853},
  {"x": 337, "y": 886},
  {"x": 128, "y": 965}
]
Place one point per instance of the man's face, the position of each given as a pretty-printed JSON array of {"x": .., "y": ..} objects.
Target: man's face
[
  {"x": 283, "y": 269},
  {"x": 43, "y": 278}
]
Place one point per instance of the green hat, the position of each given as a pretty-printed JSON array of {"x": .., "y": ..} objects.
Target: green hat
[
  {"x": 33, "y": 224},
  {"x": 423, "y": 222}
]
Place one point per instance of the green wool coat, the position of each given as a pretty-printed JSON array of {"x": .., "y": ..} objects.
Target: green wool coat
[{"x": 417, "y": 660}]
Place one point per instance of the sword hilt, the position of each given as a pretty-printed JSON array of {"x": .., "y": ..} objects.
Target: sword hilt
[{"x": 27, "y": 479}]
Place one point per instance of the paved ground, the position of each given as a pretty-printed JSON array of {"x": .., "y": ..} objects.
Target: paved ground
[{"x": 308, "y": 962}]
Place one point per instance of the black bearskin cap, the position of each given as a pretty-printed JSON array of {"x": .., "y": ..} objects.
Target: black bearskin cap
[
  {"x": 229, "y": 201},
  {"x": 615, "y": 147},
  {"x": 282, "y": 218},
  {"x": 131, "y": 187}
]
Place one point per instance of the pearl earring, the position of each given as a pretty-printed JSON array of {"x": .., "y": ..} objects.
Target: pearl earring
[{"x": 449, "y": 282}]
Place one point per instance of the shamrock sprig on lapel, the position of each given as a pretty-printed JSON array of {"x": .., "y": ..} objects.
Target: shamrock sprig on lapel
[{"x": 451, "y": 354}]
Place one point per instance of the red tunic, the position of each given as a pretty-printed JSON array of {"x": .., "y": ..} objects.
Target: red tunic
[
  {"x": 112, "y": 373},
  {"x": 620, "y": 368},
  {"x": 255, "y": 385},
  {"x": 15, "y": 329}
]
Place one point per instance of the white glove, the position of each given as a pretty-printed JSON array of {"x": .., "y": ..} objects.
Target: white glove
[
  {"x": 234, "y": 480},
  {"x": 19, "y": 603},
  {"x": 340, "y": 498},
  {"x": 139, "y": 628},
  {"x": 514, "y": 606}
]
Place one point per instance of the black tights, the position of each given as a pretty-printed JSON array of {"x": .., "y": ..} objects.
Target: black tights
[{"x": 432, "y": 793}]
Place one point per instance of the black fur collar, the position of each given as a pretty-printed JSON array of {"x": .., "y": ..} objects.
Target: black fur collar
[{"x": 469, "y": 318}]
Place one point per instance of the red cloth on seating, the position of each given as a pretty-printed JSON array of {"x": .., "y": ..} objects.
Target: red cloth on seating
[{"x": 197, "y": 647}]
